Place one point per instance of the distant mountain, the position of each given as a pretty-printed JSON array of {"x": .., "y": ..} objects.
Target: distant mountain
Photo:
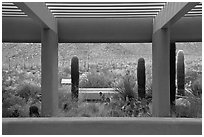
[
  {"x": 19, "y": 53},
  {"x": 190, "y": 48},
  {"x": 139, "y": 48}
]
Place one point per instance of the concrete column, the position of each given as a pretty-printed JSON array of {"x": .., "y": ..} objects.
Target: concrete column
[
  {"x": 172, "y": 73},
  {"x": 161, "y": 73},
  {"x": 49, "y": 69}
]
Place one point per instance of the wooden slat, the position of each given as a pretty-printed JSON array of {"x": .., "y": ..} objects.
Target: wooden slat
[
  {"x": 103, "y": 14},
  {"x": 193, "y": 12},
  {"x": 196, "y": 10},
  {"x": 10, "y": 7},
  {"x": 11, "y": 10},
  {"x": 13, "y": 13},
  {"x": 104, "y": 11},
  {"x": 105, "y": 5},
  {"x": 88, "y": 2},
  {"x": 198, "y": 7},
  {"x": 7, "y": 4},
  {"x": 93, "y": 16},
  {"x": 192, "y": 15},
  {"x": 106, "y": 8}
]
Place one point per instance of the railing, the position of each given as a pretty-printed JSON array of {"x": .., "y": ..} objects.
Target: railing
[{"x": 101, "y": 126}]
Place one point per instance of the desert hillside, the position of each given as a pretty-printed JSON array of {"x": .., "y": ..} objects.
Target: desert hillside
[{"x": 18, "y": 53}]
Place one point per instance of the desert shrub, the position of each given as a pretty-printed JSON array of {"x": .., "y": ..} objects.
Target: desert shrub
[
  {"x": 117, "y": 107},
  {"x": 128, "y": 108},
  {"x": 96, "y": 80},
  {"x": 15, "y": 77},
  {"x": 191, "y": 76},
  {"x": 19, "y": 109},
  {"x": 88, "y": 110},
  {"x": 126, "y": 87},
  {"x": 67, "y": 71},
  {"x": 115, "y": 113},
  {"x": 148, "y": 81},
  {"x": 64, "y": 98},
  {"x": 62, "y": 75},
  {"x": 8, "y": 78},
  {"x": 28, "y": 90},
  {"x": 136, "y": 107},
  {"x": 91, "y": 110},
  {"x": 17, "y": 103},
  {"x": 20, "y": 89},
  {"x": 114, "y": 108},
  {"x": 197, "y": 87},
  {"x": 149, "y": 92},
  {"x": 193, "y": 110},
  {"x": 12, "y": 103},
  {"x": 8, "y": 103},
  {"x": 11, "y": 100},
  {"x": 127, "y": 100}
]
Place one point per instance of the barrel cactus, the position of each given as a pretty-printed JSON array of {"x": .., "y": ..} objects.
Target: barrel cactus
[
  {"x": 75, "y": 78},
  {"x": 141, "y": 78},
  {"x": 180, "y": 73}
]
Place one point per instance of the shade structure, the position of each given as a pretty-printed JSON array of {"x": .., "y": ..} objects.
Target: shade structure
[
  {"x": 100, "y": 22},
  {"x": 99, "y": 9},
  {"x": 156, "y": 22}
]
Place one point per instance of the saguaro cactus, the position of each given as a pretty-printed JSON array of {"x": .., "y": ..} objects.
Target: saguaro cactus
[
  {"x": 180, "y": 73},
  {"x": 141, "y": 78},
  {"x": 75, "y": 78}
]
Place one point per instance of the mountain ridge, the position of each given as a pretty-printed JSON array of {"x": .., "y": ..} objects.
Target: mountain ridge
[{"x": 31, "y": 52}]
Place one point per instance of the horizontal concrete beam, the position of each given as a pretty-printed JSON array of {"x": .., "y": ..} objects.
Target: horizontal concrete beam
[
  {"x": 171, "y": 13},
  {"x": 101, "y": 126},
  {"x": 187, "y": 29},
  {"x": 105, "y": 30},
  {"x": 40, "y": 13},
  {"x": 23, "y": 29}
]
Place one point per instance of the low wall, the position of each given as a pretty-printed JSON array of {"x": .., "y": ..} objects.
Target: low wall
[
  {"x": 101, "y": 126},
  {"x": 93, "y": 93}
]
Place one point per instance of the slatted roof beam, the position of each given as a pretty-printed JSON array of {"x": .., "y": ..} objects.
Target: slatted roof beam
[
  {"x": 105, "y": 5},
  {"x": 172, "y": 12},
  {"x": 40, "y": 13}
]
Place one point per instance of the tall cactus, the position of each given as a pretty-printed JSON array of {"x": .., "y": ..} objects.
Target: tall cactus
[
  {"x": 141, "y": 78},
  {"x": 75, "y": 78},
  {"x": 180, "y": 73}
]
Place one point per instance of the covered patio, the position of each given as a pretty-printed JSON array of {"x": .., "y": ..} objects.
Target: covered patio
[{"x": 160, "y": 23}]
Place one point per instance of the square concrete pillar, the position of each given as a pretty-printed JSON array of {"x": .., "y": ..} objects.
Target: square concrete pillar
[
  {"x": 49, "y": 69},
  {"x": 161, "y": 73}
]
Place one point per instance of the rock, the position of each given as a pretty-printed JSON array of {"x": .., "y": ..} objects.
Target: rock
[{"x": 182, "y": 102}]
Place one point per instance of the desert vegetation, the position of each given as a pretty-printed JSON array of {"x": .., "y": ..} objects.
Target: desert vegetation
[{"x": 104, "y": 65}]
